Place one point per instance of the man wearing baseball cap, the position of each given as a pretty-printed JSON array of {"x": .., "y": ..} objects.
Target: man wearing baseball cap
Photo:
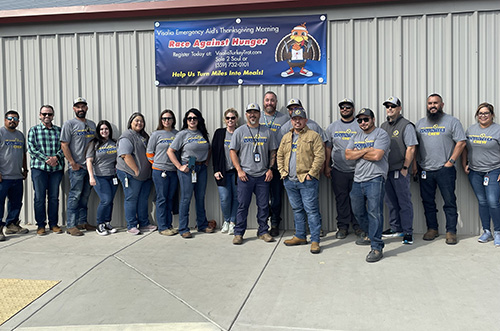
[
  {"x": 253, "y": 151},
  {"x": 76, "y": 133},
  {"x": 397, "y": 187},
  {"x": 370, "y": 149},
  {"x": 293, "y": 105}
]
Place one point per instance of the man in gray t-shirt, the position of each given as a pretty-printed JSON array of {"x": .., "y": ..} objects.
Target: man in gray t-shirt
[
  {"x": 13, "y": 170},
  {"x": 441, "y": 140},
  {"x": 370, "y": 149},
  {"x": 75, "y": 135},
  {"x": 253, "y": 152}
]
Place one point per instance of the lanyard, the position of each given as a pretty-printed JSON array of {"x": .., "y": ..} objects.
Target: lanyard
[
  {"x": 270, "y": 124},
  {"x": 255, "y": 141}
]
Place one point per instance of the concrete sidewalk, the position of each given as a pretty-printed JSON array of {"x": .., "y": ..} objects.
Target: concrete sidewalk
[{"x": 152, "y": 282}]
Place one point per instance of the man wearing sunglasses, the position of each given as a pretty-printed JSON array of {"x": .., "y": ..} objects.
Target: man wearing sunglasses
[
  {"x": 370, "y": 149},
  {"x": 397, "y": 188},
  {"x": 340, "y": 170},
  {"x": 47, "y": 164},
  {"x": 13, "y": 170}
]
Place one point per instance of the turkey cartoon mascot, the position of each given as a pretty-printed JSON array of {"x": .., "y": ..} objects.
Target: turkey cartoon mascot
[{"x": 296, "y": 48}]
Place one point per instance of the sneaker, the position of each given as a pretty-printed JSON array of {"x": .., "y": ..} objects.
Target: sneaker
[
  {"x": 101, "y": 229},
  {"x": 57, "y": 229},
  {"x": 496, "y": 235},
  {"x": 231, "y": 228},
  {"x": 266, "y": 237},
  {"x": 108, "y": 227},
  {"x": 315, "y": 249},
  {"x": 407, "y": 239},
  {"x": 341, "y": 234},
  {"x": 134, "y": 231},
  {"x": 74, "y": 232},
  {"x": 148, "y": 228},
  {"x": 374, "y": 256},
  {"x": 451, "y": 238},
  {"x": 391, "y": 234},
  {"x": 363, "y": 240},
  {"x": 187, "y": 235},
  {"x": 2, "y": 236},
  {"x": 169, "y": 232},
  {"x": 485, "y": 237},
  {"x": 225, "y": 227},
  {"x": 358, "y": 232},
  {"x": 274, "y": 232},
  {"x": 295, "y": 241},
  {"x": 13, "y": 228},
  {"x": 86, "y": 227},
  {"x": 41, "y": 232},
  {"x": 238, "y": 240},
  {"x": 431, "y": 234}
]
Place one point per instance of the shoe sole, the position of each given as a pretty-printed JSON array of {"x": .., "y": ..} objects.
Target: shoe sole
[
  {"x": 296, "y": 244},
  {"x": 485, "y": 241}
]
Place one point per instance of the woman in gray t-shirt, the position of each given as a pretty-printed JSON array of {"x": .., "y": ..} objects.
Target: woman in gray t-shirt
[
  {"x": 101, "y": 166},
  {"x": 193, "y": 143},
  {"x": 164, "y": 171}
]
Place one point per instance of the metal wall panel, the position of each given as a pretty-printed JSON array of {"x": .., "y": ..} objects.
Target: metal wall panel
[{"x": 404, "y": 50}]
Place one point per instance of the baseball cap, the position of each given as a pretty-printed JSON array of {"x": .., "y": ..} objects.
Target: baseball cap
[
  {"x": 393, "y": 100},
  {"x": 293, "y": 102},
  {"x": 349, "y": 101},
  {"x": 300, "y": 112},
  {"x": 253, "y": 106},
  {"x": 366, "y": 112},
  {"x": 79, "y": 100}
]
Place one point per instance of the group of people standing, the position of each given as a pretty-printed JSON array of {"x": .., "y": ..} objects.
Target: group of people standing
[{"x": 367, "y": 166}]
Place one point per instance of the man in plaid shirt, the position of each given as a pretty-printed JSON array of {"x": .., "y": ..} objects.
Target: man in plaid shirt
[{"x": 47, "y": 163}]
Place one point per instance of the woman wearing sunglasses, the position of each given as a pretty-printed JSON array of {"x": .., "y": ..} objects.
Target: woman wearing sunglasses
[
  {"x": 194, "y": 146},
  {"x": 224, "y": 171},
  {"x": 164, "y": 171}
]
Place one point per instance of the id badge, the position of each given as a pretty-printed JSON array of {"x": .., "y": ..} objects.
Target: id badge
[
  {"x": 486, "y": 180},
  {"x": 115, "y": 181},
  {"x": 126, "y": 181},
  {"x": 396, "y": 174},
  {"x": 424, "y": 175},
  {"x": 193, "y": 177},
  {"x": 164, "y": 175},
  {"x": 256, "y": 157}
]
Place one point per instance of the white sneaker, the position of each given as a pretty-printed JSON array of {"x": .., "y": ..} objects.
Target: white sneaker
[
  {"x": 225, "y": 227},
  {"x": 231, "y": 228},
  {"x": 101, "y": 230},
  {"x": 108, "y": 227}
]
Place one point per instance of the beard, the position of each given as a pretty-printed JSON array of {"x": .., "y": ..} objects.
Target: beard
[
  {"x": 80, "y": 114},
  {"x": 435, "y": 116},
  {"x": 344, "y": 116}
]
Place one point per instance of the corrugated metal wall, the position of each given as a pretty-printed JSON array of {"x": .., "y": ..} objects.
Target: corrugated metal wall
[{"x": 374, "y": 52}]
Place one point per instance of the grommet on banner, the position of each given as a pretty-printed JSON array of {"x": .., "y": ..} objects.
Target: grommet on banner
[
  {"x": 240, "y": 81},
  {"x": 238, "y": 20},
  {"x": 157, "y": 24}
]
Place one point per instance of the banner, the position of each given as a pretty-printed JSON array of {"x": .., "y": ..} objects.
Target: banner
[{"x": 242, "y": 51}]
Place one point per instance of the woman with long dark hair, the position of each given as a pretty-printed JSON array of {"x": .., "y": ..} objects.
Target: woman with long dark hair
[
  {"x": 164, "y": 171},
  {"x": 134, "y": 171},
  {"x": 101, "y": 165},
  {"x": 193, "y": 143}
]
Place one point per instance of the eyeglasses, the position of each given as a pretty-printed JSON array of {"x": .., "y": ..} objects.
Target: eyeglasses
[
  {"x": 345, "y": 107},
  {"x": 484, "y": 114},
  {"x": 167, "y": 118},
  {"x": 47, "y": 114},
  {"x": 364, "y": 119},
  {"x": 230, "y": 118},
  {"x": 192, "y": 118},
  {"x": 390, "y": 105},
  {"x": 12, "y": 118}
]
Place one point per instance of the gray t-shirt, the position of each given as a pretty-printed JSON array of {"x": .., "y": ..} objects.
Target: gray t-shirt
[
  {"x": 483, "y": 147},
  {"x": 78, "y": 134},
  {"x": 339, "y": 134},
  {"x": 275, "y": 122},
  {"x": 158, "y": 144},
  {"x": 248, "y": 141},
  {"x": 227, "y": 142},
  {"x": 134, "y": 144},
  {"x": 292, "y": 165},
  {"x": 437, "y": 139},
  {"x": 104, "y": 162},
  {"x": 285, "y": 128},
  {"x": 367, "y": 170},
  {"x": 12, "y": 149},
  {"x": 191, "y": 143}
]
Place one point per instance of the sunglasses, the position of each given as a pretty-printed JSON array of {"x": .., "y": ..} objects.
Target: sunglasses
[
  {"x": 345, "y": 107},
  {"x": 167, "y": 118},
  {"x": 192, "y": 118},
  {"x": 46, "y": 114},
  {"x": 390, "y": 106},
  {"x": 364, "y": 119},
  {"x": 12, "y": 118},
  {"x": 230, "y": 118}
]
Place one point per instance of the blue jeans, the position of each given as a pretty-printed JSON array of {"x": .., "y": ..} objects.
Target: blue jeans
[
  {"x": 488, "y": 197},
  {"x": 398, "y": 200},
  {"x": 276, "y": 193},
  {"x": 165, "y": 189},
  {"x": 187, "y": 188},
  {"x": 136, "y": 199},
  {"x": 46, "y": 187},
  {"x": 443, "y": 178},
  {"x": 260, "y": 188},
  {"x": 367, "y": 199},
  {"x": 106, "y": 191},
  {"x": 229, "y": 197},
  {"x": 13, "y": 190},
  {"x": 78, "y": 197},
  {"x": 303, "y": 198}
]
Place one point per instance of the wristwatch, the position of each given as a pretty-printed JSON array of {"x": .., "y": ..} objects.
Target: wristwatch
[
  {"x": 451, "y": 161},
  {"x": 405, "y": 167}
]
